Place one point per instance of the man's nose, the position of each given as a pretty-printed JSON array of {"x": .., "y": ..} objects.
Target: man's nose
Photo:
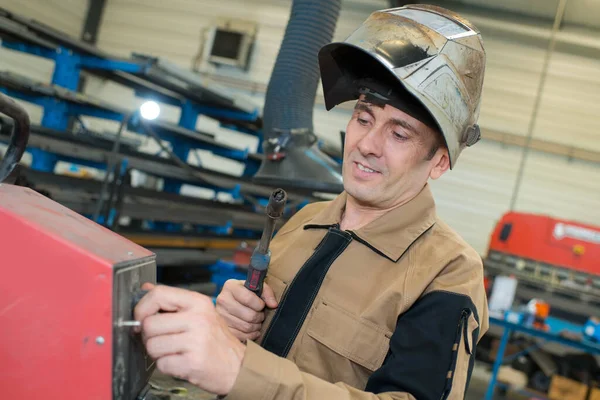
[{"x": 372, "y": 143}]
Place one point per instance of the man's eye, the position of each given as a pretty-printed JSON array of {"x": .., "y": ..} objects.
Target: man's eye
[
  {"x": 362, "y": 121},
  {"x": 399, "y": 136}
]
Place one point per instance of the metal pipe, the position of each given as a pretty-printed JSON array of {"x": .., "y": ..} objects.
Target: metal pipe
[{"x": 19, "y": 137}]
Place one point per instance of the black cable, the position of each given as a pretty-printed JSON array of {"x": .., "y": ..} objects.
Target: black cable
[{"x": 110, "y": 166}]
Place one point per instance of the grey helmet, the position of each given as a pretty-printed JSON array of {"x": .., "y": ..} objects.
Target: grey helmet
[{"x": 436, "y": 55}]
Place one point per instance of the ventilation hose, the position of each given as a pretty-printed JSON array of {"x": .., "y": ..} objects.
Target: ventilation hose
[{"x": 292, "y": 88}]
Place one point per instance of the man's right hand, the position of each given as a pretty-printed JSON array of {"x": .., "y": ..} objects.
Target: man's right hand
[{"x": 243, "y": 310}]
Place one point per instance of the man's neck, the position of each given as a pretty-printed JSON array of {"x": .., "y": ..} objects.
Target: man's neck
[{"x": 357, "y": 215}]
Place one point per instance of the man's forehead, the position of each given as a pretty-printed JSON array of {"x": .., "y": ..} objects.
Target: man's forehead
[{"x": 397, "y": 117}]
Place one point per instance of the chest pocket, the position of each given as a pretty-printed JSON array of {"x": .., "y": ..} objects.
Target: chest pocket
[{"x": 348, "y": 336}]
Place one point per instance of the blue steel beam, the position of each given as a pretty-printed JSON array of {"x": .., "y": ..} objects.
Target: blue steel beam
[
  {"x": 112, "y": 65},
  {"x": 90, "y": 111},
  {"x": 181, "y": 148},
  {"x": 30, "y": 48},
  {"x": 157, "y": 96},
  {"x": 227, "y": 114},
  {"x": 66, "y": 69},
  {"x": 30, "y": 98}
]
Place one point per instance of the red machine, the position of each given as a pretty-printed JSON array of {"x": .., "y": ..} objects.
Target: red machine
[
  {"x": 67, "y": 286},
  {"x": 547, "y": 240},
  {"x": 559, "y": 256}
]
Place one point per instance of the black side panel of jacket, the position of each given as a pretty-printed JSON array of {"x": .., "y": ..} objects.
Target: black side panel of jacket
[
  {"x": 421, "y": 348},
  {"x": 300, "y": 296}
]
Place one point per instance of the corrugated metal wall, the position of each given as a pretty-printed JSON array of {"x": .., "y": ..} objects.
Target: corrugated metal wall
[
  {"x": 473, "y": 196},
  {"x": 67, "y": 16}
]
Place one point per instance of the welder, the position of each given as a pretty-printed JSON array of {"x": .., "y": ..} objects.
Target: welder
[{"x": 370, "y": 295}]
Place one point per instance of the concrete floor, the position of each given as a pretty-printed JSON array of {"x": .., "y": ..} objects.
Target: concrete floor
[{"x": 479, "y": 383}]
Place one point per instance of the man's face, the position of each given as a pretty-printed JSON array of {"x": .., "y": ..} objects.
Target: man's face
[{"x": 386, "y": 156}]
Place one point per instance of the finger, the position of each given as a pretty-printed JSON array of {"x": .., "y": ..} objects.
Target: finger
[
  {"x": 230, "y": 283},
  {"x": 247, "y": 298},
  {"x": 174, "y": 365},
  {"x": 148, "y": 286},
  {"x": 242, "y": 337},
  {"x": 164, "y": 324},
  {"x": 231, "y": 306},
  {"x": 269, "y": 296},
  {"x": 160, "y": 346},
  {"x": 243, "y": 326},
  {"x": 165, "y": 298}
]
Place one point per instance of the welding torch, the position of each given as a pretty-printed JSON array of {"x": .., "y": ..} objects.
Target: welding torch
[{"x": 261, "y": 256}]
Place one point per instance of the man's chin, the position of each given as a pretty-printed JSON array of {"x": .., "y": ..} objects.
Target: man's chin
[{"x": 361, "y": 194}]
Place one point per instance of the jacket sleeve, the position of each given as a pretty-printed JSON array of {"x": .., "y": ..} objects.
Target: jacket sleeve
[{"x": 431, "y": 354}]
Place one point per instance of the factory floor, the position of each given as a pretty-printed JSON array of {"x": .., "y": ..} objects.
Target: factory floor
[{"x": 477, "y": 388}]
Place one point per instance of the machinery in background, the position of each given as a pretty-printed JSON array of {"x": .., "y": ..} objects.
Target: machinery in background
[
  {"x": 553, "y": 259},
  {"x": 554, "y": 266}
]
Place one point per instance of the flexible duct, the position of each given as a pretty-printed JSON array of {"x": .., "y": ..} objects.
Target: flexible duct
[{"x": 291, "y": 155}]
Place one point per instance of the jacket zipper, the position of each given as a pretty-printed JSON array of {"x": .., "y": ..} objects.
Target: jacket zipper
[{"x": 461, "y": 334}]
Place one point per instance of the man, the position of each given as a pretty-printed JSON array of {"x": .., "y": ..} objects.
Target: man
[{"x": 370, "y": 295}]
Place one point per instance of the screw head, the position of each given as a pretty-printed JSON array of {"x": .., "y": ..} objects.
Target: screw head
[{"x": 100, "y": 340}]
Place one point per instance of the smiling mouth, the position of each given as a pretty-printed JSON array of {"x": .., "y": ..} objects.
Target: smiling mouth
[{"x": 365, "y": 169}]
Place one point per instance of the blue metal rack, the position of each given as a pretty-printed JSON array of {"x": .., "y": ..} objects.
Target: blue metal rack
[
  {"x": 67, "y": 72},
  {"x": 556, "y": 326}
]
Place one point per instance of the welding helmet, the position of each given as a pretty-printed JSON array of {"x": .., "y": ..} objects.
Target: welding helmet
[{"x": 424, "y": 60}]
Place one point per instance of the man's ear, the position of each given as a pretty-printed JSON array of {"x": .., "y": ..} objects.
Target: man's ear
[{"x": 441, "y": 163}]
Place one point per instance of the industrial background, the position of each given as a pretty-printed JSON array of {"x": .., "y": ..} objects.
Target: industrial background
[{"x": 539, "y": 153}]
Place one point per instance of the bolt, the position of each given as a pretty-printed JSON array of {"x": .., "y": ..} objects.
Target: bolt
[
  {"x": 129, "y": 323},
  {"x": 100, "y": 340}
]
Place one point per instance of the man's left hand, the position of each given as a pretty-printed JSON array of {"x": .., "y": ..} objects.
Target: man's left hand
[{"x": 188, "y": 339}]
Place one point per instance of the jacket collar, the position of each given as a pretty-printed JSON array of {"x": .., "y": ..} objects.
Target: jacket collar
[{"x": 391, "y": 234}]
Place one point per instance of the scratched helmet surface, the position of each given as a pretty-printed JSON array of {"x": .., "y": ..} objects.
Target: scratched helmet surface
[{"x": 436, "y": 55}]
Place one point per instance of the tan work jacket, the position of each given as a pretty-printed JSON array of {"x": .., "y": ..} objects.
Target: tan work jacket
[{"x": 393, "y": 310}]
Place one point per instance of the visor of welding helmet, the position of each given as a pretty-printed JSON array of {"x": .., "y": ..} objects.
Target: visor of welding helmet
[{"x": 424, "y": 60}]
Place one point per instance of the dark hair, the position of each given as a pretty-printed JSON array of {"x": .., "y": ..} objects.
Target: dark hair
[{"x": 438, "y": 142}]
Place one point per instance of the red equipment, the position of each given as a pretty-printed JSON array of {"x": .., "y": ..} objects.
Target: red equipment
[
  {"x": 561, "y": 243},
  {"x": 544, "y": 252},
  {"x": 66, "y": 284}
]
